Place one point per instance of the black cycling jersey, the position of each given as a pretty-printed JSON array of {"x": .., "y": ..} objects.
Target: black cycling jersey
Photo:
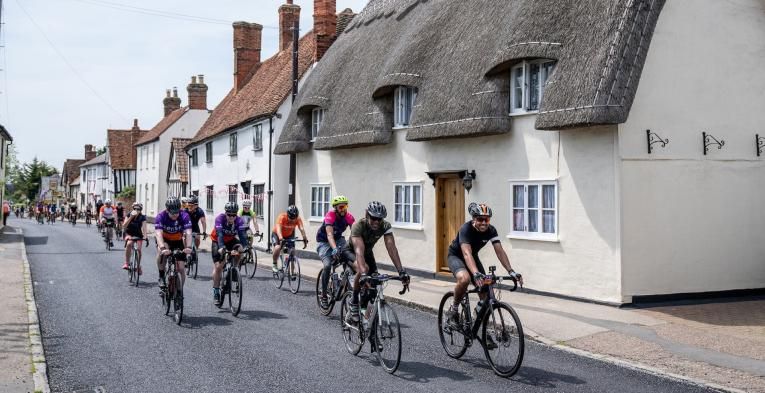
[
  {"x": 120, "y": 212},
  {"x": 135, "y": 227},
  {"x": 195, "y": 216},
  {"x": 469, "y": 235}
]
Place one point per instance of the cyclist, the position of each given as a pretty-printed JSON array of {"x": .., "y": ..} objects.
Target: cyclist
[
  {"x": 133, "y": 227},
  {"x": 99, "y": 204},
  {"x": 172, "y": 232},
  {"x": 106, "y": 216},
  {"x": 364, "y": 234},
  {"x": 73, "y": 211},
  {"x": 120, "y": 213},
  {"x": 285, "y": 228},
  {"x": 331, "y": 243},
  {"x": 463, "y": 255},
  {"x": 248, "y": 215},
  {"x": 52, "y": 216},
  {"x": 197, "y": 216},
  {"x": 88, "y": 211},
  {"x": 229, "y": 234}
]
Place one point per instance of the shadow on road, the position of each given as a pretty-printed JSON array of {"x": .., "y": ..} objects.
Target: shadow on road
[
  {"x": 35, "y": 240},
  {"x": 190, "y": 322},
  {"x": 543, "y": 378},
  {"x": 258, "y": 315},
  {"x": 425, "y": 372}
]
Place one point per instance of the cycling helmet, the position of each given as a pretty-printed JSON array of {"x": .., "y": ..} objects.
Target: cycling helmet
[
  {"x": 247, "y": 204},
  {"x": 339, "y": 199},
  {"x": 377, "y": 210},
  {"x": 108, "y": 202},
  {"x": 482, "y": 209},
  {"x": 194, "y": 200},
  {"x": 173, "y": 204},
  {"x": 119, "y": 203},
  {"x": 292, "y": 212},
  {"x": 137, "y": 206},
  {"x": 99, "y": 201},
  {"x": 231, "y": 207},
  {"x": 184, "y": 200}
]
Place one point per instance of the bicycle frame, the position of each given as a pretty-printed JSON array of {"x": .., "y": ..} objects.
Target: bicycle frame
[{"x": 490, "y": 302}]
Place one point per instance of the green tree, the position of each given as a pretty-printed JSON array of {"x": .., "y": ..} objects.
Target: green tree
[
  {"x": 127, "y": 193},
  {"x": 26, "y": 180},
  {"x": 100, "y": 151}
]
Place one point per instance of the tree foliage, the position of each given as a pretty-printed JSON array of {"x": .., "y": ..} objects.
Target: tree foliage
[
  {"x": 25, "y": 179},
  {"x": 127, "y": 193}
]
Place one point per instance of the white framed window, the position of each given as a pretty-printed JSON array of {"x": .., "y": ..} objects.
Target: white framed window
[
  {"x": 407, "y": 204},
  {"x": 319, "y": 201},
  {"x": 259, "y": 194},
  {"x": 209, "y": 194},
  {"x": 403, "y": 104},
  {"x": 209, "y": 152},
  {"x": 233, "y": 149},
  {"x": 233, "y": 192},
  {"x": 257, "y": 137},
  {"x": 194, "y": 157},
  {"x": 534, "y": 210},
  {"x": 317, "y": 117},
  {"x": 527, "y": 84}
]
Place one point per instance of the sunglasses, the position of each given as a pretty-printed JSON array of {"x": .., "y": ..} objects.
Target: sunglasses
[
  {"x": 483, "y": 219},
  {"x": 375, "y": 218},
  {"x": 231, "y": 215},
  {"x": 138, "y": 209},
  {"x": 342, "y": 208},
  {"x": 173, "y": 213}
]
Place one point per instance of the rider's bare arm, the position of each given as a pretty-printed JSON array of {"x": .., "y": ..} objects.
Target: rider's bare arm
[
  {"x": 467, "y": 253},
  {"x": 359, "y": 248},
  {"x": 331, "y": 236},
  {"x": 390, "y": 245}
]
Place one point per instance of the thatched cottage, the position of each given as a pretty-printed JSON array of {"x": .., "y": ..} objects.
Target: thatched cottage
[{"x": 591, "y": 127}]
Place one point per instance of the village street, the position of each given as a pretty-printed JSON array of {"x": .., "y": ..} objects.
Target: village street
[{"x": 101, "y": 333}]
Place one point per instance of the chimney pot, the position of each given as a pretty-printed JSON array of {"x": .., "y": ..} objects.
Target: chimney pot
[
  {"x": 201, "y": 79},
  {"x": 135, "y": 124},
  {"x": 324, "y": 25},
  {"x": 194, "y": 80},
  {"x": 167, "y": 92},
  {"x": 171, "y": 103},
  {"x": 197, "y": 90},
  {"x": 247, "y": 46}
]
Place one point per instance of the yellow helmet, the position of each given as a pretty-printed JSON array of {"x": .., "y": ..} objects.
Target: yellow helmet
[{"x": 339, "y": 199}]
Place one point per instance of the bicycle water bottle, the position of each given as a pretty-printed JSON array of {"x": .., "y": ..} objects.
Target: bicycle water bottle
[
  {"x": 336, "y": 281},
  {"x": 479, "y": 309}
]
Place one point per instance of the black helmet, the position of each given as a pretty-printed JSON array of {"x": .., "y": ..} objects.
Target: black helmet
[
  {"x": 292, "y": 212},
  {"x": 482, "y": 209},
  {"x": 193, "y": 199},
  {"x": 173, "y": 204},
  {"x": 377, "y": 210},
  {"x": 231, "y": 207}
]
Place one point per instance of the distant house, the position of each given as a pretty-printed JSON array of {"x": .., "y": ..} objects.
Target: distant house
[
  {"x": 94, "y": 181},
  {"x": 592, "y": 128},
  {"x": 5, "y": 141},
  {"x": 71, "y": 173},
  {"x": 178, "y": 168},
  {"x": 153, "y": 149},
  {"x": 230, "y": 156},
  {"x": 121, "y": 158}
]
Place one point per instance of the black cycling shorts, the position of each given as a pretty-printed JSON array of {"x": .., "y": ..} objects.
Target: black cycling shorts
[
  {"x": 456, "y": 264},
  {"x": 216, "y": 256}
]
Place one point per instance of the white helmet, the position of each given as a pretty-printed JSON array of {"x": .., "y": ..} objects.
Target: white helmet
[
  {"x": 247, "y": 203},
  {"x": 108, "y": 202}
]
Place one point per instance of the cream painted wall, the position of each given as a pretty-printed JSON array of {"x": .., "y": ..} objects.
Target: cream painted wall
[
  {"x": 585, "y": 260},
  {"x": 695, "y": 223}
]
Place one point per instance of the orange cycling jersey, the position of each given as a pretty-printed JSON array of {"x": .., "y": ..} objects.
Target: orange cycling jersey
[{"x": 287, "y": 225}]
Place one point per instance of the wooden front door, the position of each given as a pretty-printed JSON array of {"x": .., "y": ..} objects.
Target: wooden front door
[{"x": 450, "y": 205}]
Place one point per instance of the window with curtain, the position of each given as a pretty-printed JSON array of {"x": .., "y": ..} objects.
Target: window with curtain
[
  {"x": 257, "y": 137},
  {"x": 527, "y": 84},
  {"x": 259, "y": 194},
  {"x": 407, "y": 204},
  {"x": 403, "y": 105},
  {"x": 232, "y": 144},
  {"x": 319, "y": 200},
  {"x": 209, "y": 195},
  {"x": 317, "y": 117},
  {"x": 208, "y": 152},
  {"x": 194, "y": 157},
  {"x": 232, "y": 193},
  {"x": 535, "y": 210}
]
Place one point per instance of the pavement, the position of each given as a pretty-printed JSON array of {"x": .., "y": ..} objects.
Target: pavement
[{"x": 717, "y": 344}]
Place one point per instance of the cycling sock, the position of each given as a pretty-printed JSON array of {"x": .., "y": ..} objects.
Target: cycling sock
[{"x": 161, "y": 274}]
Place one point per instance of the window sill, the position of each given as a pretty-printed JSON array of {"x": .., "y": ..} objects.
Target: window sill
[
  {"x": 316, "y": 219},
  {"x": 257, "y": 149},
  {"x": 407, "y": 226},
  {"x": 401, "y": 127},
  {"x": 549, "y": 239},
  {"x": 518, "y": 114}
]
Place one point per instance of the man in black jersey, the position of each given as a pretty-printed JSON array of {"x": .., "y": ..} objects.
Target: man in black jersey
[{"x": 463, "y": 254}]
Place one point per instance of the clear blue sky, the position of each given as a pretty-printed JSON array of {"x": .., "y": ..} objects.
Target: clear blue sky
[{"x": 122, "y": 56}]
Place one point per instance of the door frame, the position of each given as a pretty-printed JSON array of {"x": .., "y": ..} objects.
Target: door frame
[{"x": 442, "y": 243}]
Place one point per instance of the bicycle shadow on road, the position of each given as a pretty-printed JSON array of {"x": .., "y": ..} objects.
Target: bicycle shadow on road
[
  {"x": 259, "y": 315},
  {"x": 34, "y": 240},
  {"x": 419, "y": 372},
  {"x": 190, "y": 322},
  {"x": 545, "y": 379}
]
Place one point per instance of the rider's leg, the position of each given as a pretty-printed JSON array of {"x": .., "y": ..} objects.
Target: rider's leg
[
  {"x": 217, "y": 266},
  {"x": 128, "y": 247},
  {"x": 361, "y": 268},
  {"x": 160, "y": 267},
  {"x": 325, "y": 253},
  {"x": 277, "y": 248}
]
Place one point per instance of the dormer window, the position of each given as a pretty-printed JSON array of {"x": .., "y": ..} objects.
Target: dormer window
[
  {"x": 317, "y": 117},
  {"x": 527, "y": 84},
  {"x": 403, "y": 103}
]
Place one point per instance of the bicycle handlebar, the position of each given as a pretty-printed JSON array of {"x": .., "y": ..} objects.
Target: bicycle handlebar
[
  {"x": 294, "y": 240},
  {"x": 381, "y": 278}
]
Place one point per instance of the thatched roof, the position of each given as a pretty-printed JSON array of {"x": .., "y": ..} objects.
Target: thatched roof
[{"x": 458, "y": 54}]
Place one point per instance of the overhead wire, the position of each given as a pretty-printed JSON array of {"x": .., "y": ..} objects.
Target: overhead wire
[{"x": 69, "y": 64}]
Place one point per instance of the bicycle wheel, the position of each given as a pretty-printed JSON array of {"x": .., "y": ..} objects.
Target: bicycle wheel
[
  {"x": 132, "y": 269},
  {"x": 253, "y": 258},
  {"x": 169, "y": 290},
  {"x": 293, "y": 274},
  {"x": 330, "y": 295},
  {"x": 386, "y": 336},
  {"x": 137, "y": 268},
  {"x": 353, "y": 333},
  {"x": 502, "y": 335},
  {"x": 178, "y": 300},
  {"x": 452, "y": 337},
  {"x": 235, "y": 291},
  {"x": 224, "y": 288},
  {"x": 279, "y": 275}
]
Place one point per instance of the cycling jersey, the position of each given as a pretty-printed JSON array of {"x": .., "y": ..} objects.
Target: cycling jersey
[
  {"x": 196, "y": 215},
  {"x": 120, "y": 212},
  {"x": 246, "y": 216},
  {"x": 339, "y": 224},
  {"x": 172, "y": 229},
  {"x": 227, "y": 233},
  {"x": 73, "y": 208},
  {"x": 106, "y": 212},
  {"x": 469, "y": 235},
  {"x": 370, "y": 237},
  {"x": 288, "y": 226},
  {"x": 135, "y": 227}
]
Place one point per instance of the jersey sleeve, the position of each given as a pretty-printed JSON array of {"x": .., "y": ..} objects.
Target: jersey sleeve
[
  {"x": 158, "y": 222},
  {"x": 241, "y": 224},
  {"x": 329, "y": 219},
  {"x": 219, "y": 222},
  {"x": 357, "y": 229},
  {"x": 387, "y": 228},
  {"x": 349, "y": 218},
  {"x": 464, "y": 234},
  {"x": 494, "y": 235},
  {"x": 186, "y": 220}
]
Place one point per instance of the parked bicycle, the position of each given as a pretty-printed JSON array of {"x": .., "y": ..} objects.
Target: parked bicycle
[
  {"x": 496, "y": 327},
  {"x": 377, "y": 321},
  {"x": 289, "y": 267},
  {"x": 134, "y": 266},
  {"x": 232, "y": 283},
  {"x": 338, "y": 284},
  {"x": 172, "y": 293},
  {"x": 250, "y": 257}
]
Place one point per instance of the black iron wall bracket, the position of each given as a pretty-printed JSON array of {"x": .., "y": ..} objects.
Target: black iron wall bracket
[
  {"x": 710, "y": 140},
  {"x": 759, "y": 141},
  {"x": 653, "y": 138}
]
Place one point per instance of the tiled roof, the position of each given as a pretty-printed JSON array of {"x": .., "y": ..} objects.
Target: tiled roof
[
  {"x": 121, "y": 145},
  {"x": 75, "y": 182},
  {"x": 72, "y": 169},
  {"x": 162, "y": 126},
  {"x": 268, "y": 87},
  {"x": 181, "y": 159},
  {"x": 100, "y": 159}
]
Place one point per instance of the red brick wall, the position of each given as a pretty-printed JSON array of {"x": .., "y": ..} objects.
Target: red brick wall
[{"x": 247, "y": 45}]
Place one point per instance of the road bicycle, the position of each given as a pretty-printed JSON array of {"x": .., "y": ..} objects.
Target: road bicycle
[
  {"x": 337, "y": 286},
  {"x": 134, "y": 266},
  {"x": 108, "y": 235},
  {"x": 87, "y": 220},
  {"x": 193, "y": 264},
  {"x": 172, "y": 293},
  {"x": 288, "y": 267},
  {"x": 376, "y": 321},
  {"x": 232, "y": 283},
  {"x": 73, "y": 218},
  {"x": 40, "y": 219},
  {"x": 496, "y": 326},
  {"x": 250, "y": 257},
  {"x": 118, "y": 229}
]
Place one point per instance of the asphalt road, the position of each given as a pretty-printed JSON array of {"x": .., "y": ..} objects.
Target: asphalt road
[{"x": 101, "y": 333}]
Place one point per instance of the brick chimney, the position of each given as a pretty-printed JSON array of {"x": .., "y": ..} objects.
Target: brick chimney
[
  {"x": 90, "y": 152},
  {"x": 197, "y": 92},
  {"x": 288, "y": 14},
  {"x": 324, "y": 25},
  {"x": 247, "y": 41},
  {"x": 171, "y": 103},
  {"x": 135, "y": 125}
]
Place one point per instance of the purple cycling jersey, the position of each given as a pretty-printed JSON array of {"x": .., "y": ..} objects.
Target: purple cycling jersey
[
  {"x": 225, "y": 232},
  {"x": 172, "y": 229}
]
